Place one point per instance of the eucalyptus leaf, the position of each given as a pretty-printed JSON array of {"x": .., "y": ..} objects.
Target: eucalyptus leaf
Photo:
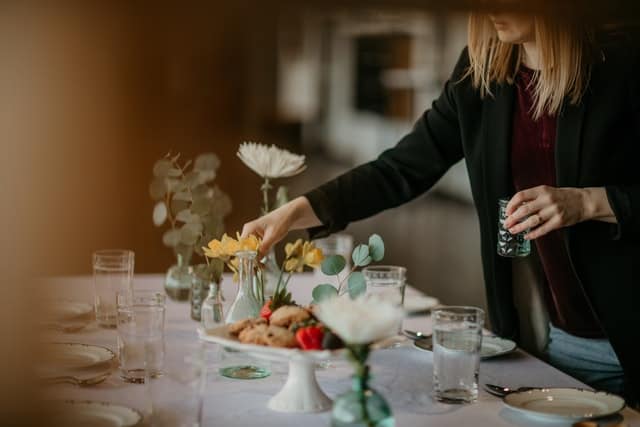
[
  {"x": 182, "y": 195},
  {"x": 376, "y": 247},
  {"x": 206, "y": 162},
  {"x": 192, "y": 179},
  {"x": 202, "y": 191},
  {"x": 356, "y": 284},
  {"x": 172, "y": 185},
  {"x": 161, "y": 168},
  {"x": 360, "y": 256},
  {"x": 159, "y": 214},
  {"x": 201, "y": 205},
  {"x": 171, "y": 238},
  {"x": 157, "y": 189},
  {"x": 174, "y": 172},
  {"x": 189, "y": 233},
  {"x": 187, "y": 216},
  {"x": 323, "y": 292},
  {"x": 333, "y": 265},
  {"x": 178, "y": 206}
]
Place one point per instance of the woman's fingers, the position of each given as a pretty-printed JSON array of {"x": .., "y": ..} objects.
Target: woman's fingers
[{"x": 523, "y": 211}]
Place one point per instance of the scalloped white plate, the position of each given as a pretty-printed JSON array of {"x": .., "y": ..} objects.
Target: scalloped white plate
[
  {"x": 570, "y": 404},
  {"x": 64, "y": 356},
  {"x": 91, "y": 413}
]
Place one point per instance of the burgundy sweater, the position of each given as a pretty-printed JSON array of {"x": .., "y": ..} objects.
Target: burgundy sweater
[{"x": 533, "y": 164}]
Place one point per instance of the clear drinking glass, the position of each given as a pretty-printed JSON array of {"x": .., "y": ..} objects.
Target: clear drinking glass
[
  {"x": 112, "y": 273},
  {"x": 510, "y": 245},
  {"x": 387, "y": 282},
  {"x": 141, "y": 335},
  {"x": 457, "y": 337}
]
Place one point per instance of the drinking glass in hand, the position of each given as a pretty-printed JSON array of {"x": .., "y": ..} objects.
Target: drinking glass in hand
[
  {"x": 140, "y": 335},
  {"x": 510, "y": 245},
  {"x": 112, "y": 273},
  {"x": 457, "y": 337}
]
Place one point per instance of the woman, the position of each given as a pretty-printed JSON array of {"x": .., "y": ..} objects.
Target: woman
[{"x": 542, "y": 111}]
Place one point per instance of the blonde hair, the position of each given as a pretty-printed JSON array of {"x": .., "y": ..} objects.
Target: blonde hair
[{"x": 565, "y": 51}]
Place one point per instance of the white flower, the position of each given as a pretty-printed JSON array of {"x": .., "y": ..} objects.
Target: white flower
[
  {"x": 270, "y": 162},
  {"x": 362, "y": 320}
]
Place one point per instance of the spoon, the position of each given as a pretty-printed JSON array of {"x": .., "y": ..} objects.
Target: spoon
[
  {"x": 415, "y": 335},
  {"x": 501, "y": 391}
]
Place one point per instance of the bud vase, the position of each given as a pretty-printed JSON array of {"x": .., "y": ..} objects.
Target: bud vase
[
  {"x": 177, "y": 282},
  {"x": 246, "y": 303},
  {"x": 202, "y": 281},
  {"x": 362, "y": 406}
]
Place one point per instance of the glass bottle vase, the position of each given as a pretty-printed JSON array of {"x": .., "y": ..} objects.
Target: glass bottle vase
[
  {"x": 211, "y": 313},
  {"x": 362, "y": 406},
  {"x": 246, "y": 303},
  {"x": 201, "y": 283},
  {"x": 177, "y": 283}
]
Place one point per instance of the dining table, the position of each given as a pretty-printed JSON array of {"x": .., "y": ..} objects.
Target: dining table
[{"x": 402, "y": 374}]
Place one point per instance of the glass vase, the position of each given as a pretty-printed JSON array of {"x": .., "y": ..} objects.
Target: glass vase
[
  {"x": 271, "y": 274},
  {"x": 246, "y": 303},
  {"x": 362, "y": 406},
  {"x": 177, "y": 283},
  {"x": 211, "y": 313},
  {"x": 201, "y": 282}
]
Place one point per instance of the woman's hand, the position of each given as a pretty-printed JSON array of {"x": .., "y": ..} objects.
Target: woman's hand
[
  {"x": 543, "y": 209},
  {"x": 274, "y": 226}
]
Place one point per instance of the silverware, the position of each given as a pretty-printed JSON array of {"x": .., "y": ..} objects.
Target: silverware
[
  {"x": 415, "y": 335},
  {"x": 501, "y": 391}
]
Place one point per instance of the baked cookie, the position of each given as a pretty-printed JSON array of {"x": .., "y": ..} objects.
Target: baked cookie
[
  {"x": 254, "y": 334},
  {"x": 277, "y": 336},
  {"x": 240, "y": 325},
  {"x": 288, "y": 314}
]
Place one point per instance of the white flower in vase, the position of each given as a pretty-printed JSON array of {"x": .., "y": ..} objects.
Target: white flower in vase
[
  {"x": 360, "y": 321},
  {"x": 271, "y": 162}
]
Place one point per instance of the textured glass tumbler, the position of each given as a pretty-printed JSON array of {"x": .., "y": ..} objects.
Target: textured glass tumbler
[
  {"x": 141, "y": 335},
  {"x": 112, "y": 273},
  {"x": 457, "y": 338},
  {"x": 336, "y": 244},
  {"x": 510, "y": 245}
]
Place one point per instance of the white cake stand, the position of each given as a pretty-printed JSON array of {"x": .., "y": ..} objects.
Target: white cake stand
[{"x": 301, "y": 392}]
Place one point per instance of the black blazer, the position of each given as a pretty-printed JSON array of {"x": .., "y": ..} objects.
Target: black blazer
[{"x": 598, "y": 144}]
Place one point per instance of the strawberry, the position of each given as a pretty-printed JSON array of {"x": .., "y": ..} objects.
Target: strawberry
[
  {"x": 310, "y": 337},
  {"x": 265, "y": 311}
]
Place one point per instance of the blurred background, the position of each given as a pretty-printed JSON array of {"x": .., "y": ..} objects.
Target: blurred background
[{"x": 93, "y": 93}]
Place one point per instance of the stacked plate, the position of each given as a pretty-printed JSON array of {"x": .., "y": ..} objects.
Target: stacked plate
[
  {"x": 67, "y": 315},
  {"x": 491, "y": 346},
  {"x": 75, "y": 363},
  {"x": 88, "y": 413}
]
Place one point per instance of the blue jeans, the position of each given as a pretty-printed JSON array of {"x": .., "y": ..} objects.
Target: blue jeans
[{"x": 589, "y": 360}]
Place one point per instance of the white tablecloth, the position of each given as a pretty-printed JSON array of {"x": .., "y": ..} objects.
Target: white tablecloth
[{"x": 402, "y": 375}]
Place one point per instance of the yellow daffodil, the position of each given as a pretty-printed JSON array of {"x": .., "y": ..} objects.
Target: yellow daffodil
[
  {"x": 251, "y": 243},
  {"x": 293, "y": 249},
  {"x": 214, "y": 249},
  {"x": 313, "y": 258},
  {"x": 229, "y": 245}
]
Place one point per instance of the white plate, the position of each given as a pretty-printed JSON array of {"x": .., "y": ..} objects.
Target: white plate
[
  {"x": 89, "y": 413},
  {"x": 61, "y": 310},
  {"x": 565, "y": 403},
  {"x": 65, "y": 356},
  {"x": 491, "y": 346},
  {"x": 220, "y": 335}
]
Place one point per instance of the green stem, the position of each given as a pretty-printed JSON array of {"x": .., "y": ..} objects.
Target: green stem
[
  {"x": 341, "y": 282},
  {"x": 265, "y": 196}
]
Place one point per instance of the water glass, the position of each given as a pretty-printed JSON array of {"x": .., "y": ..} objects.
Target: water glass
[
  {"x": 457, "y": 338},
  {"x": 510, "y": 245},
  {"x": 386, "y": 281},
  {"x": 140, "y": 316},
  {"x": 112, "y": 273}
]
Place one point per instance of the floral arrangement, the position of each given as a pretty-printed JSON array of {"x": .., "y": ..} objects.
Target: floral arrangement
[
  {"x": 360, "y": 323},
  {"x": 270, "y": 163},
  {"x": 297, "y": 255},
  {"x": 353, "y": 282},
  {"x": 188, "y": 201}
]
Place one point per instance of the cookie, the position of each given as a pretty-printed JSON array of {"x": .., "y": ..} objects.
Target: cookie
[
  {"x": 254, "y": 334},
  {"x": 277, "y": 336},
  {"x": 240, "y": 325},
  {"x": 288, "y": 314}
]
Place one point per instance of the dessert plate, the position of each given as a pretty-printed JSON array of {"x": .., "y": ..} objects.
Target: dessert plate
[
  {"x": 569, "y": 404},
  {"x": 491, "y": 346},
  {"x": 91, "y": 413},
  {"x": 65, "y": 356},
  {"x": 62, "y": 310}
]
